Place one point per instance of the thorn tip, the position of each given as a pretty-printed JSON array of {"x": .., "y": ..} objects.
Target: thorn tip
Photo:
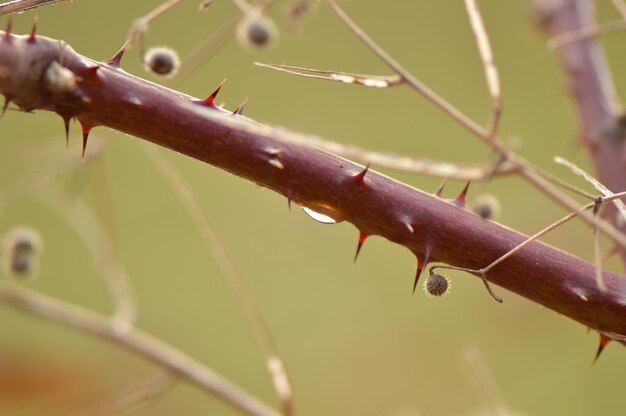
[
  {"x": 460, "y": 199},
  {"x": 210, "y": 100},
  {"x": 116, "y": 60},
  {"x": 604, "y": 340},
  {"x": 360, "y": 177},
  {"x": 421, "y": 265},
  {"x": 362, "y": 237}
]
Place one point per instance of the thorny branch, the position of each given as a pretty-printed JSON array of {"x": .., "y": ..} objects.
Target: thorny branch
[{"x": 102, "y": 94}]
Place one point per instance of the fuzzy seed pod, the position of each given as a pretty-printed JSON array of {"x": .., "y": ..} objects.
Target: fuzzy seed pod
[
  {"x": 162, "y": 61},
  {"x": 20, "y": 252},
  {"x": 486, "y": 206},
  {"x": 257, "y": 30},
  {"x": 437, "y": 286}
]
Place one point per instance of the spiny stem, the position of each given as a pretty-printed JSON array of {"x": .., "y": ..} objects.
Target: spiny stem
[{"x": 284, "y": 161}]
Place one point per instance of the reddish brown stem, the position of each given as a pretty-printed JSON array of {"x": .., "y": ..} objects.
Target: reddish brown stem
[{"x": 280, "y": 160}]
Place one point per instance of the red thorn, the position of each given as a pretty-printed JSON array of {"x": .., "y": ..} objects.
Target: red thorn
[
  {"x": 604, "y": 340},
  {"x": 117, "y": 58},
  {"x": 33, "y": 32},
  {"x": 440, "y": 189},
  {"x": 239, "y": 110},
  {"x": 362, "y": 238},
  {"x": 210, "y": 100},
  {"x": 360, "y": 177},
  {"x": 86, "y": 129},
  {"x": 421, "y": 265},
  {"x": 460, "y": 199},
  {"x": 66, "y": 123}
]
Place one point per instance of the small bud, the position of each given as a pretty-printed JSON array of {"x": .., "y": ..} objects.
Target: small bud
[
  {"x": 20, "y": 252},
  {"x": 486, "y": 206},
  {"x": 162, "y": 61},
  {"x": 437, "y": 286},
  {"x": 257, "y": 30}
]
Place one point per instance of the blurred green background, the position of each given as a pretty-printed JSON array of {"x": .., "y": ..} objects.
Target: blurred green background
[{"x": 354, "y": 339}]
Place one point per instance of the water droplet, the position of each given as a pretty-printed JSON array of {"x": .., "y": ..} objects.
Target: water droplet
[{"x": 324, "y": 219}]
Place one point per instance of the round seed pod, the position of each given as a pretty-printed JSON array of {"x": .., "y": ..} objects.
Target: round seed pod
[
  {"x": 162, "y": 61},
  {"x": 20, "y": 252},
  {"x": 257, "y": 31},
  {"x": 486, "y": 206},
  {"x": 437, "y": 286}
]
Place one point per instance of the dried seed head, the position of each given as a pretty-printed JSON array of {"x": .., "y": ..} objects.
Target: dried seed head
[
  {"x": 257, "y": 30},
  {"x": 437, "y": 285},
  {"x": 486, "y": 206},
  {"x": 162, "y": 61},
  {"x": 20, "y": 252}
]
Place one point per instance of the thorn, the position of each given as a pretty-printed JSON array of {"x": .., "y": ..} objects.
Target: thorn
[
  {"x": 421, "y": 265},
  {"x": 289, "y": 195},
  {"x": 7, "y": 32},
  {"x": 239, "y": 110},
  {"x": 362, "y": 238},
  {"x": 460, "y": 199},
  {"x": 409, "y": 227},
  {"x": 440, "y": 189},
  {"x": 33, "y": 32},
  {"x": 66, "y": 123},
  {"x": 117, "y": 58},
  {"x": 86, "y": 129},
  {"x": 360, "y": 177},
  {"x": 210, "y": 100},
  {"x": 604, "y": 340}
]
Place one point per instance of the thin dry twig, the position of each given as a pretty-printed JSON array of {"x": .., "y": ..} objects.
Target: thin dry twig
[
  {"x": 372, "y": 81},
  {"x": 621, "y": 208},
  {"x": 274, "y": 361},
  {"x": 18, "y": 6},
  {"x": 597, "y": 252},
  {"x": 491, "y": 71},
  {"x": 137, "y": 341}
]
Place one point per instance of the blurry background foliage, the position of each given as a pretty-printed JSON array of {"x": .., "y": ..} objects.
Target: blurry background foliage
[{"x": 355, "y": 341}]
